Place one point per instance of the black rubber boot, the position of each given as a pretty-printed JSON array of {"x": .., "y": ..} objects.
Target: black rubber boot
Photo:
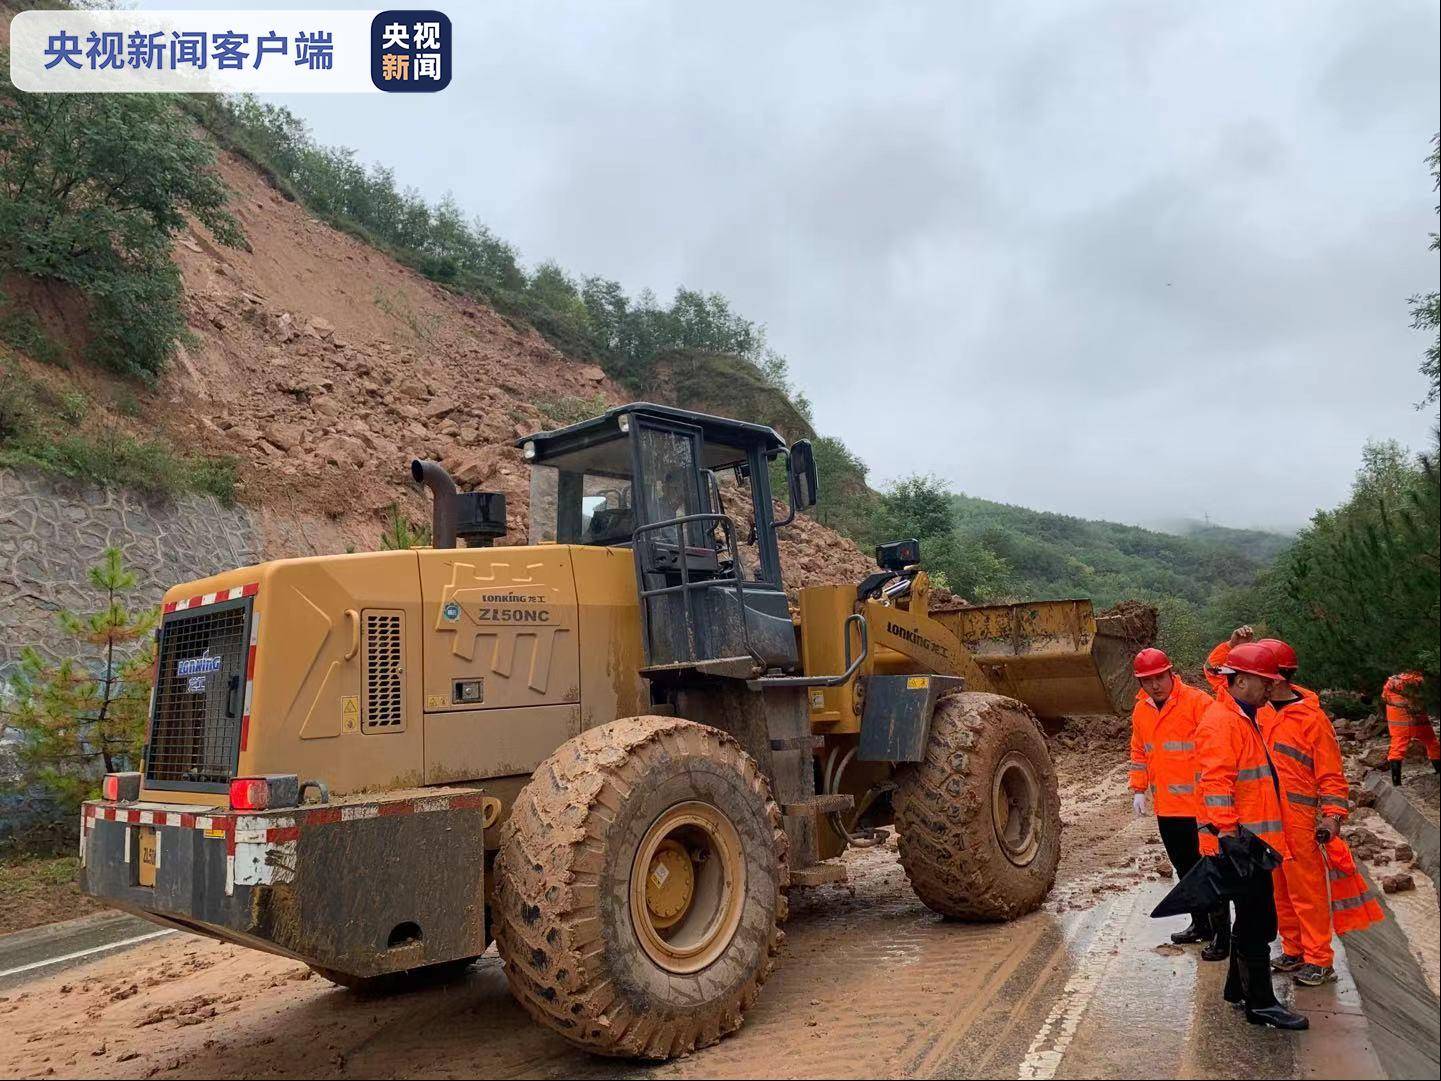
[
  {"x": 1396, "y": 772},
  {"x": 1261, "y": 1005},
  {"x": 1199, "y": 931},
  {"x": 1234, "y": 992},
  {"x": 1220, "y": 946},
  {"x": 1436, "y": 764}
]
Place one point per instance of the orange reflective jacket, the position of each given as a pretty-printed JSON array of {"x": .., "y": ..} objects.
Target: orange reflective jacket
[
  {"x": 1238, "y": 785},
  {"x": 1163, "y": 749},
  {"x": 1307, "y": 760},
  {"x": 1353, "y": 906},
  {"x": 1401, "y": 713},
  {"x": 1397, "y": 695}
]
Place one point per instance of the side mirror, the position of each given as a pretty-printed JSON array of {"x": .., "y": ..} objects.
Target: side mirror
[{"x": 805, "y": 486}]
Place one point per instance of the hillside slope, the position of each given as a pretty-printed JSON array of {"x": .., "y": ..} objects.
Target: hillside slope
[{"x": 323, "y": 366}]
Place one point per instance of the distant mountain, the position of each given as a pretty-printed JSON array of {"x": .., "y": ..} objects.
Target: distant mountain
[
  {"x": 1261, "y": 544},
  {"x": 1056, "y": 555}
]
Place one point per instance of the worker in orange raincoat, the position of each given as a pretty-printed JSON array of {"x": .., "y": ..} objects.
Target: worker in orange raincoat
[
  {"x": 1239, "y": 790},
  {"x": 1407, "y": 723},
  {"x": 1163, "y": 762},
  {"x": 1314, "y": 802}
]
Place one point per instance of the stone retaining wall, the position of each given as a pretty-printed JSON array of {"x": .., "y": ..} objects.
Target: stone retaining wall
[{"x": 52, "y": 531}]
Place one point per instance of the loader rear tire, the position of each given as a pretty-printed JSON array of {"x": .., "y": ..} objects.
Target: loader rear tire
[
  {"x": 980, "y": 817},
  {"x": 639, "y": 888}
]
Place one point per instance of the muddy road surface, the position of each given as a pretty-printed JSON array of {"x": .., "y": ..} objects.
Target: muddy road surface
[{"x": 871, "y": 984}]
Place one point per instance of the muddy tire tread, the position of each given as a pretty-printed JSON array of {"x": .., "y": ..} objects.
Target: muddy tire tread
[
  {"x": 548, "y": 878},
  {"x": 943, "y": 816}
]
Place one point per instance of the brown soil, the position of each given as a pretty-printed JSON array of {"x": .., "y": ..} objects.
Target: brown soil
[
  {"x": 323, "y": 366},
  {"x": 41, "y": 889},
  {"x": 870, "y": 983}
]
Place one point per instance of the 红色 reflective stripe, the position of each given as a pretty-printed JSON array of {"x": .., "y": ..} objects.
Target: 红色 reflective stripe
[
  {"x": 1351, "y": 902},
  {"x": 1180, "y": 789},
  {"x": 1220, "y": 801},
  {"x": 1269, "y": 826},
  {"x": 1303, "y": 799},
  {"x": 1255, "y": 773},
  {"x": 1178, "y": 745},
  {"x": 1296, "y": 753}
]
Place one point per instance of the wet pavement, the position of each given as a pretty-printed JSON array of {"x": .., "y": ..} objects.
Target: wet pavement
[{"x": 870, "y": 984}]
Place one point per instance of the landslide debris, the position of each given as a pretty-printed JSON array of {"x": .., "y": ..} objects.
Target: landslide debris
[{"x": 322, "y": 366}]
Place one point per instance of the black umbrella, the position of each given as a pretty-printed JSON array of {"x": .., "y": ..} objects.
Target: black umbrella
[{"x": 1216, "y": 879}]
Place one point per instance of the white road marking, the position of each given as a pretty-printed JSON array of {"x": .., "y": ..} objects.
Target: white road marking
[
  {"x": 33, "y": 965},
  {"x": 1049, "y": 1047}
]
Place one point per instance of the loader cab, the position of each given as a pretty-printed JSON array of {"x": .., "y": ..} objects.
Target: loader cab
[{"x": 691, "y": 495}]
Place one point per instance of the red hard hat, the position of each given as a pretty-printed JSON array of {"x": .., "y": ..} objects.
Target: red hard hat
[
  {"x": 1285, "y": 655},
  {"x": 1253, "y": 658},
  {"x": 1150, "y": 662}
]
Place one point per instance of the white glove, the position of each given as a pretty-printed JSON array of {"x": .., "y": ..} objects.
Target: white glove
[{"x": 1138, "y": 804}]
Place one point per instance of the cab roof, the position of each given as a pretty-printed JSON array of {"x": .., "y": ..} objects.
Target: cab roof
[{"x": 716, "y": 431}]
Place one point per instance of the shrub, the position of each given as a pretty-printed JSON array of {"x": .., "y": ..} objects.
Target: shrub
[
  {"x": 85, "y": 715},
  {"x": 402, "y": 532},
  {"x": 93, "y": 188}
]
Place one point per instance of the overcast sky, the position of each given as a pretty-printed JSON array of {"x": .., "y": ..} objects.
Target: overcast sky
[{"x": 1127, "y": 260}]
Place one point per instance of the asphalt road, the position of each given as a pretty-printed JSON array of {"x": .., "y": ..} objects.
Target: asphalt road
[{"x": 44, "y": 951}]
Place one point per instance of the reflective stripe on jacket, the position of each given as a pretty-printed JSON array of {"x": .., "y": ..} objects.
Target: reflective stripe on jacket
[
  {"x": 1353, "y": 906},
  {"x": 1307, "y": 760},
  {"x": 1163, "y": 749},
  {"x": 1238, "y": 785}
]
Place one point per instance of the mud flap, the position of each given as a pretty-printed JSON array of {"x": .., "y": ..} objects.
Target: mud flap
[{"x": 896, "y": 716}]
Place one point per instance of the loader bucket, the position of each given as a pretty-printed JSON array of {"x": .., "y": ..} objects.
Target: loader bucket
[{"x": 1058, "y": 657}]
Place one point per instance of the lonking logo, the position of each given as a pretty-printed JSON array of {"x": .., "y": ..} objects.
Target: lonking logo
[
  {"x": 915, "y": 639},
  {"x": 203, "y": 665}
]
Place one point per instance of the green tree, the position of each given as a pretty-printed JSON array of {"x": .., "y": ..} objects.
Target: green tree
[
  {"x": 93, "y": 188},
  {"x": 920, "y": 506},
  {"x": 1426, "y": 307},
  {"x": 401, "y": 532},
  {"x": 1359, "y": 594},
  {"x": 86, "y": 715}
]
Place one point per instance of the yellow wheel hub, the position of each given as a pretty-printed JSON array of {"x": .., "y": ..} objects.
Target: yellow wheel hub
[
  {"x": 687, "y": 885},
  {"x": 670, "y": 885}
]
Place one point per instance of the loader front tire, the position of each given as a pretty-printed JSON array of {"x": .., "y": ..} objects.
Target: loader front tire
[
  {"x": 980, "y": 817},
  {"x": 639, "y": 888}
]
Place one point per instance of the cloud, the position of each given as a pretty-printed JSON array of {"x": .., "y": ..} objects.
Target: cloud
[{"x": 1106, "y": 259}]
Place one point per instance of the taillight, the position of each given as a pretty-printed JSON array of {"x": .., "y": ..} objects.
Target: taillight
[
  {"x": 263, "y": 793},
  {"x": 120, "y": 786}
]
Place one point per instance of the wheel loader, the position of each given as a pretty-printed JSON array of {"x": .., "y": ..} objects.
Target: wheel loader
[{"x": 611, "y": 751}]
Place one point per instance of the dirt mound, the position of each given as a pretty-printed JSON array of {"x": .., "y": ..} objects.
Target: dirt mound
[
  {"x": 1122, "y": 631},
  {"x": 1101, "y": 732},
  {"x": 1131, "y": 621}
]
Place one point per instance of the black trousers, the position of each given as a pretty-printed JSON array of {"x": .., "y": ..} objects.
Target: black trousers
[
  {"x": 1255, "y": 926},
  {"x": 1183, "y": 847}
]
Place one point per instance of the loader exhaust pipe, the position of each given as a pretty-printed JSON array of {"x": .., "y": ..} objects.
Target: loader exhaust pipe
[{"x": 443, "y": 496}]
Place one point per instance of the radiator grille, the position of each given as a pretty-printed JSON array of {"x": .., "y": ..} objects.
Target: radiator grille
[
  {"x": 384, "y": 672},
  {"x": 199, "y": 697}
]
